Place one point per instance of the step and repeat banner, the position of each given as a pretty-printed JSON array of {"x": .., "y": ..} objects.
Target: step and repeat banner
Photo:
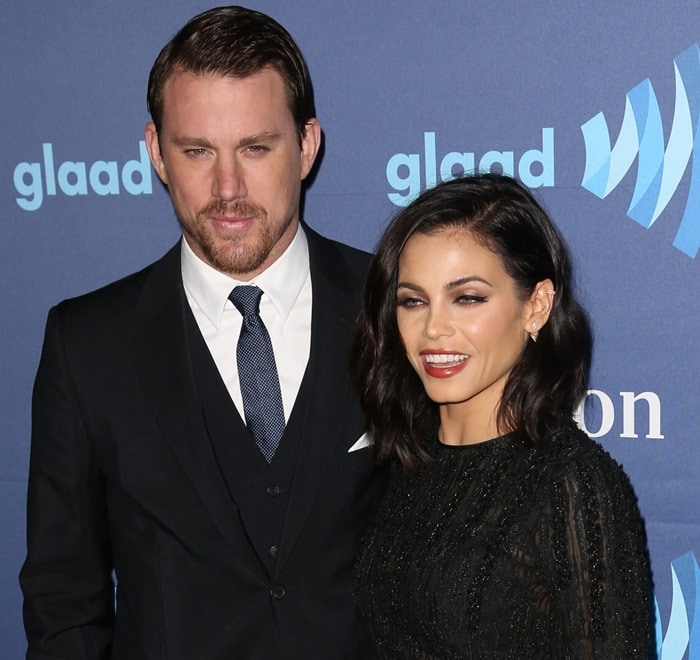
[{"x": 595, "y": 106}]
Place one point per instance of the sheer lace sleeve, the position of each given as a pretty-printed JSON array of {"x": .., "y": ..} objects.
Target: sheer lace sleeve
[{"x": 598, "y": 545}]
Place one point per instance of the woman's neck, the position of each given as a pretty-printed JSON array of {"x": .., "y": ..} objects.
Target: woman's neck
[{"x": 459, "y": 426}]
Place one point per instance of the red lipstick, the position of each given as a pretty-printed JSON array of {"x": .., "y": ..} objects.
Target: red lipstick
[{"x": 443, "y": 363}]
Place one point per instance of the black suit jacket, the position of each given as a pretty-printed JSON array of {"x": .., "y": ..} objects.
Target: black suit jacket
[{"x": 123, "y": 478}]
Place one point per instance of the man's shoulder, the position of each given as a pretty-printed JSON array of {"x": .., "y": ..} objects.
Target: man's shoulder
[
  {"x": 121, "y": 294},
  {"x": 344, "y": 261}
]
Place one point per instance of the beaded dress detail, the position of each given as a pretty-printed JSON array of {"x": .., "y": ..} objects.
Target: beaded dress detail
[{"x": 497, "y": 550}]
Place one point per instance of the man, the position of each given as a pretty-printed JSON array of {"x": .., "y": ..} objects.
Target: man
[{"x": 226, "y": 541}]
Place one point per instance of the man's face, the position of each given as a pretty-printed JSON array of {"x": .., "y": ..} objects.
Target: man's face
[{"x": 230, "y": 155}]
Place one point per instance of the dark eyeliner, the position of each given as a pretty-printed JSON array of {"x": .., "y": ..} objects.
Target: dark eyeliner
[{"x": 471, "y": 299}]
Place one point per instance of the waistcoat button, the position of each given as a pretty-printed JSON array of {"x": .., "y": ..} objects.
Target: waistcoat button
[{"x": 274, "y": 491}]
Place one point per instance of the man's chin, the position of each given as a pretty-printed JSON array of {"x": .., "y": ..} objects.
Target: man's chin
[{"x": 240, "y": 265}]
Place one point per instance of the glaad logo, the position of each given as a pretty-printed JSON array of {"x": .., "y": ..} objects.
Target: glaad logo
[
  {"x": 683, "y": 627},
  {"x": 659, "y": 171},
  {"x": 403, "y": 171},
  {"x": 73, "y": 178}
]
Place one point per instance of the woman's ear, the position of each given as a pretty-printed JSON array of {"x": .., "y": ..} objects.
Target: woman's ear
[{"x": 538, "y": 308}]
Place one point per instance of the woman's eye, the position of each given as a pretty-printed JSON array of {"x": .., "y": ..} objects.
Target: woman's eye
[
  {"x": 409, "y": 302},
  {"x": 471, "y": 299}
]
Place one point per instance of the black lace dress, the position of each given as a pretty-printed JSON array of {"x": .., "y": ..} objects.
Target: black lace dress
[{"x": 502, "y": 551}]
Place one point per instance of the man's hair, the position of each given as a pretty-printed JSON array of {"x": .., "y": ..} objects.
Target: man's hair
[
  {"x": 237, "y": 42},
  {"x": 550, "y": 378}
]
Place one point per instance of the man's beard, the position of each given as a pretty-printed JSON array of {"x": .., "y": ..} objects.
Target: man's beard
[{"x": 237, "y": 255}]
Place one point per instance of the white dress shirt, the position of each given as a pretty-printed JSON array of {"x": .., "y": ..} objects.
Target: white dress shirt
[{"x": 285, "y": 309}]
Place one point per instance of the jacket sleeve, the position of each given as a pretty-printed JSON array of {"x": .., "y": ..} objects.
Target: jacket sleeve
[{"x": 66, "y": 578}]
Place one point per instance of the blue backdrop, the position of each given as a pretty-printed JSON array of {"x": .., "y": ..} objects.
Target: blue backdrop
[{"x": 595, "y": 105}]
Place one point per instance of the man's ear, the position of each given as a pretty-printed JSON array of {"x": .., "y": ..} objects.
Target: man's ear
[
  {"x": 310, "y": 144},
  {"x": 538, "y": 308},
  {"x": 153, "y": 146}
]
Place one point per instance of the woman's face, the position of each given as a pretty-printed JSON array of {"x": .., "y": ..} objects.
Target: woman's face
[{"x": 462, "y": 323}]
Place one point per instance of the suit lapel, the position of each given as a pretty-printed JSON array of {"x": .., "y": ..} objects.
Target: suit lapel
[
  {"x": 163, "y": 360},
  {"x": 326, "y": 387}
]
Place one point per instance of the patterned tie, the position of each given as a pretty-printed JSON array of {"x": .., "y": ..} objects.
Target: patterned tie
[{"x": 257, "y": 373}]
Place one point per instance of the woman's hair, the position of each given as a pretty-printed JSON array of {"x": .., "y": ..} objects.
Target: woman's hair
[{"x": 551, "y": 375}]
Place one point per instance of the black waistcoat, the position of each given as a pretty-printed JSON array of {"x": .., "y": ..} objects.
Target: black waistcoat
[{"x": 260, "y": 490}]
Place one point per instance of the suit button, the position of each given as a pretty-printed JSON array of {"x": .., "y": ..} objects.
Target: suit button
[
  {"x": 273, "y": 551},
  {"x": 278, "y": 592},
  {"x": 274, "y": 491}
]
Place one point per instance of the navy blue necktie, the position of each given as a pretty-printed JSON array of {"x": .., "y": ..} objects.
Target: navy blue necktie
[{"x": 257, "y": 373}]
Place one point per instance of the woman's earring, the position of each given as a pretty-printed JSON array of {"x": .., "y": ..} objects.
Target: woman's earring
[
  {"x": 534, "y": 334},
  {"x": 551, "y": 292}
]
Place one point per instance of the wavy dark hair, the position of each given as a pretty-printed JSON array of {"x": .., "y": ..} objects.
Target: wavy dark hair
[
  {"x": 237, "y": 42},
  {"x": 552, "y": 374}
]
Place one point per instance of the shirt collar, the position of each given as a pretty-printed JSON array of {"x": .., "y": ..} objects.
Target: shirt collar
[{"x": 282, "y": 281}]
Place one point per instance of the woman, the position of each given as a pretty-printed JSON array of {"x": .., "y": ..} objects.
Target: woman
[{"x": 505, "y": 532}]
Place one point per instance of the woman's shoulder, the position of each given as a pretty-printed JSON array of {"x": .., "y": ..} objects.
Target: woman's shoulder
[{"x": 569, "y": 455}]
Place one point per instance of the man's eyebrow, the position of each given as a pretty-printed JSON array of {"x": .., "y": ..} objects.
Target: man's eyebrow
[
  {"x": 191, "y": 142},
  {"x": 264, "y": 138},
  {"x": 268, "y": 136}
]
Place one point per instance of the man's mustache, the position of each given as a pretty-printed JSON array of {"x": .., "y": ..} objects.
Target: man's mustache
[{"x": 237, "y": 209}]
